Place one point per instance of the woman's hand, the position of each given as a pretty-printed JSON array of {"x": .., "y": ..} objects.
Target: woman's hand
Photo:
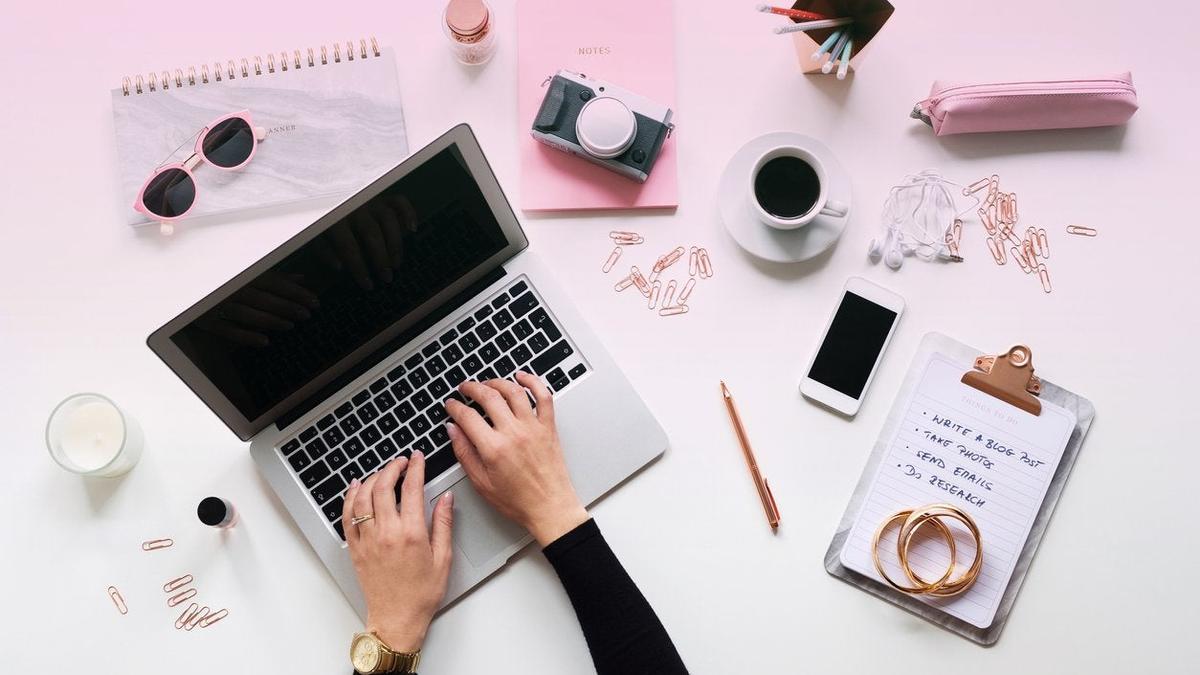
[
  {"x": 516, "y": 463},
  {"x": 402, "y": 567}
]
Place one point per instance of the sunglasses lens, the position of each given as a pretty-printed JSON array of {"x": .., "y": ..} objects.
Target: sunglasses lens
[
  {"x": 170, "y": 193},
  {"x": 229, "y": 143}
]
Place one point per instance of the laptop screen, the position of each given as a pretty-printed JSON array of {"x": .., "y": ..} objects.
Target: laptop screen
[{"x": 285, "y": 327}]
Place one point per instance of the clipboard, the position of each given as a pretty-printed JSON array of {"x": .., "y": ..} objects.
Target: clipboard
[{"x": 1008, "y": 378}]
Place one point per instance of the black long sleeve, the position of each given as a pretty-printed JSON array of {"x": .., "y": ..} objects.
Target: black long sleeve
[{"x": 623, "y": 633}]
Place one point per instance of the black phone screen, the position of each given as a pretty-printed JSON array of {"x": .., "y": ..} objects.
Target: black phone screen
[{"x": 852, "y": 345}]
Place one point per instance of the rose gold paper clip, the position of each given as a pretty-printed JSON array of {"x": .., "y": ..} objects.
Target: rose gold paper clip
[
  {"x": 196, "y": 618},
  {"x": 622, "y": 238},
  {"x": 1043, "y": 243},
  {"x": 669, "y": 259},
  {"x": 640, "y": 281},
  {"x": 213, "y": 618},
  {"x": 623, "y": 284},
  {"x": 1081, "y": 230},
  {"x": 155, "y": 544},
  {"x": 115, "y": 596},
  {"x": 654, "y": 291},
  {"x": 673, "y": 311},
  {"x": 976, "y": 186},
  {"x": 668, "y": 295},
  {"x": 693, "y": 262},
  {"x": 177, "y": 583},
  {"x": 1044, "y": 274},
  {"x": 686, "y": 292},
  {"x": 181, "y": 597},
  {"x": 186, "y": 616},
  {"x": 612, "y": 260},
  {"x": 706, "y": 270}
]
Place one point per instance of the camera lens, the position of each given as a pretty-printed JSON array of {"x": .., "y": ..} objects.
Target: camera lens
[{"x": 605, "y": 127}]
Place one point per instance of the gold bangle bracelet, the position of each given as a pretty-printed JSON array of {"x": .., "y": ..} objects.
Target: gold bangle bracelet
[
  {"x": 934, "y": 513},
  {"x": 925, "y": 586}
]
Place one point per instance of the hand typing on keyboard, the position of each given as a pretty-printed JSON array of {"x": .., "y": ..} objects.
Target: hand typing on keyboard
[
  {"x": 516, "y": 462},
  {"x": 402, "y": 566}
]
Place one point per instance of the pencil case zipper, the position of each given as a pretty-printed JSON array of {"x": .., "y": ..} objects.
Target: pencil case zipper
[{"x": 945, "y": 99}]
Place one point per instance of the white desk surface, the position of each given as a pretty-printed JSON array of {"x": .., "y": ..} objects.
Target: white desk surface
[{"x": 1111, "y": 589}]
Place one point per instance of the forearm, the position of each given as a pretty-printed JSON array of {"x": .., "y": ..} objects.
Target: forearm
[{"x": 623, "y": 633}]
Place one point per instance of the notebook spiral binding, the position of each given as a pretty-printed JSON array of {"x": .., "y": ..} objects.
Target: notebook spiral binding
[{"x": 156, "y": 82}]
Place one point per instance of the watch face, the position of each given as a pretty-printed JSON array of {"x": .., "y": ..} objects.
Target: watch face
[{"x": 364, "y": 653}]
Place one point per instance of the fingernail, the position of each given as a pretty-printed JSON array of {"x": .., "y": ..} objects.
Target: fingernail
[
  {"x": 402, "y": 461},
  {"x": 448, "y": 498},
  {"x": 354, "y": 483},
  {"x": 452, "y": 428},
  {"x": 418, "y": 453}
]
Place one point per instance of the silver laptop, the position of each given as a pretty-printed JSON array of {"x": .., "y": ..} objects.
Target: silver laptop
[{"x": 335, "y": 352}]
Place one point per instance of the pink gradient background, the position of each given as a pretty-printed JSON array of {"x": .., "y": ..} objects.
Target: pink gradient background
[{"x": 1111, "y": 590}]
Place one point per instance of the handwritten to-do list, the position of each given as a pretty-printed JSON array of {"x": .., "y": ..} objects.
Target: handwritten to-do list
[{"x": 955, "y": 444}]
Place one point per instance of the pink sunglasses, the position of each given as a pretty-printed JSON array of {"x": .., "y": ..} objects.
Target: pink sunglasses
[{"x": 228, "y": 143}]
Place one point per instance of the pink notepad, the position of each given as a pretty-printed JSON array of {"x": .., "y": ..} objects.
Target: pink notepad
[{"x": 630, "y": 43}]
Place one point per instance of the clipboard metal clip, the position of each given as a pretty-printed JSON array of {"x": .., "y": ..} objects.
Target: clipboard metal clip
[{"x": 1008, "y": 377}]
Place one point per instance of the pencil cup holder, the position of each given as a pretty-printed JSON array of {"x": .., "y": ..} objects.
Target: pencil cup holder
[{"x": 869, "y": 17}]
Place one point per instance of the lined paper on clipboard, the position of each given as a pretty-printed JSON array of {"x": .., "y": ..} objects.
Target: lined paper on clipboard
[{"x": 960, "y": 446}]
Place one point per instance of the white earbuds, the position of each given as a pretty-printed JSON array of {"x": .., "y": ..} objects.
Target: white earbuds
[{"x": 915, "y": 218}]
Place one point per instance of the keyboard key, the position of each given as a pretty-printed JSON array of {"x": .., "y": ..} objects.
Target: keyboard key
[
  {"x": 307, "y": 435},
  {"x": 325, "y": 422},
  {"x": 353, "y": 447},
  {"x": 413, "y": 361},
  {"x": 403, "y": 437},
  {"x": 316, "y": 449},
  {"x": 577, "y": 371},
  {"x": 438, "y": 388},
  {"x": 448, "y": 337},
  {"x": 401, "y": 389},
  {"x": 424, "y": 445},
  {"x": 344, "y": 409},
  {"x": 361, "y": 397},
  {"x": 486, "y": 375},
  {"x": 291, "y": 446},
  {"x": 367, "y": 413},
  {"x": 457, "y": 397},
  {"x": 422, "y": 400},
  {"x": 341, "y": 531},
  {"x": 387, "y": 423},
  {"x": 523, "y": 305},
  {"x": 505, "y": 366},
  {"x": 522, "y": 329},
  {"x": 337, "y": 459},
  {"x": 486, "y": 331},
  {"x": 455, "y": 376},
  {"x": 332, "y": 487},
  {"x": 418, "y": 378},
  {"x": 371, "y": 435},
  {"x": 538, "y": 343},
  {"x": 333, "y": 510},
  {"x": 466, "y": 324},
  {"x": 385, "y": 401},
  {"x": 439, "y": 435},
  {"x": 438, "y": 463},
  {"x": 505, "y": 341},
  {"x": 503, "y": 319},
  {"x": 517, "y": 288},
  {"x": 405, "y": 412},
  {"x": 452, "y": 354},
  {"x": 499, "y": 301},
  {"x": 552, "y": 357},
  {"x": 333, "y": 437},
  {"x": 386, "y": 450},
  {"x": 489, "y": 352},
  {"x": 419, "y": 425},
  {"x": 437, "y": 414},
  {"x": 430, "y": 349},
  {"x": 556, "y": 374},
  {"x": 352, "y": 471},
  {"x": 436, "y": 366},
  {"x": 469, "y": 343},
  {"x": 521, "y": 354},
  {"x": 541, "y": 319},
  {"x": 472, "y": 365},
  {"x": 482, "y": 313},
  {"x": 299, "y": 461},
  {"x": 395, "y": 373},
  {"x": 369, "y": 461},
  {"x": 379, "y": 385},
  {"x": 350, "y": 425},
  {"x": 560, "y": 383}
]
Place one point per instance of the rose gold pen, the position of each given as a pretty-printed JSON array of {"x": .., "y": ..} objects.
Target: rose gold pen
[{"x": 764, "y": 490}]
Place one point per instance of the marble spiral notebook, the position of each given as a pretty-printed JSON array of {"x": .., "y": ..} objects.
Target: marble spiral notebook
[{"x": 332, "y": 115}]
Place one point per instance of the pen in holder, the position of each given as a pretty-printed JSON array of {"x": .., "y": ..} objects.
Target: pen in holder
[{"x": 868, "y": 16}]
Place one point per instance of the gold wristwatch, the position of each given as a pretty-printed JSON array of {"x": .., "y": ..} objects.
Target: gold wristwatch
[{"x": 369, "y": 655}]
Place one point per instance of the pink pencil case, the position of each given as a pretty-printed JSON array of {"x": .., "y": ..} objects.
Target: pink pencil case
[{"x": 954, "y": 108}]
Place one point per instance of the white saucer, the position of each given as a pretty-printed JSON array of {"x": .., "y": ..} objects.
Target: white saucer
[{"x": 762, "y": 240}]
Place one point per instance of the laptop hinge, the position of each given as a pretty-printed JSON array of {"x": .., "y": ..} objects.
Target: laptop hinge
[{"x": 390, "y": 348}]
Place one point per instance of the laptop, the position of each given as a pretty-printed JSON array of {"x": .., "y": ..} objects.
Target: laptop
[{"x": 335, "y": 352}]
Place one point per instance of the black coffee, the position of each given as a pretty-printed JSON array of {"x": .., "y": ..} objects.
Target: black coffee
[{"x": 787, "y": 187}]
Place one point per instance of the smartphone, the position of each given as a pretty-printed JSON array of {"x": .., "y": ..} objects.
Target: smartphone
[{"x": 856, "y": 335}]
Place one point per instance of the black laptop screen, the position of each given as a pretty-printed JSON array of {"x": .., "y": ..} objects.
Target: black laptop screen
[{"x": 363, "y": 274}]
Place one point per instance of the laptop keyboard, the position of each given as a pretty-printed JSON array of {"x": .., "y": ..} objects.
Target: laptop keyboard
[{"x": 404, "y": 410}]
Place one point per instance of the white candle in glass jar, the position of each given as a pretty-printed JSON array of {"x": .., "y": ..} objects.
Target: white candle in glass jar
[{"x": 88, "y": 434}]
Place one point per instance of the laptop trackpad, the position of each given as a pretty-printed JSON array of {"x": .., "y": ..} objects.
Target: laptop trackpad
[{"x": 479, "y": 531}]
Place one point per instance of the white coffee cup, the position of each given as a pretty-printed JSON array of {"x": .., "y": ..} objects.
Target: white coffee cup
[{"x": 822, "y": 206}]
